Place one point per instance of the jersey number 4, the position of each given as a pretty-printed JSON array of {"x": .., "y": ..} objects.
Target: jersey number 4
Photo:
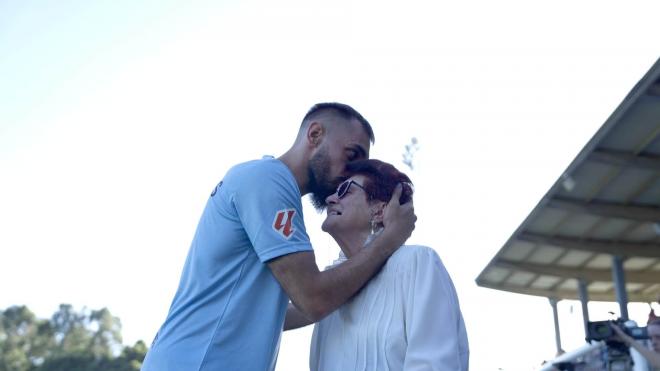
[{"x": 283, "y": 222}]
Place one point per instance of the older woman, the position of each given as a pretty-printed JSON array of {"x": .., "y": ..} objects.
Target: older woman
[{"x": 408, "y": 316}]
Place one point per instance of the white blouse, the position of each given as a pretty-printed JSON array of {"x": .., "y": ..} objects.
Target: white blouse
[{"x": 406, "y": 318}]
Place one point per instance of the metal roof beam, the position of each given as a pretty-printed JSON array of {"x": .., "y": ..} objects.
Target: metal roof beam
[
  {"x": 608, "y": 209},
  {"x": 621, "y": 158},
  {"x": 586, "y": 274},
  {"x": 571, "y": 294},
  {"x": 622, "y": 248},
  {"x": 654, "y": 89}
]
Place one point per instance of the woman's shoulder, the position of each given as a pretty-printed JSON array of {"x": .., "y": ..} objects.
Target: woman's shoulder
[
  {"x": 407, "y": 252},
  {"x": 409, "y": 257}
]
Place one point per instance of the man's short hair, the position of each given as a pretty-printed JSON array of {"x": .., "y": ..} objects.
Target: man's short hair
[{"x": 344, "y": 111}]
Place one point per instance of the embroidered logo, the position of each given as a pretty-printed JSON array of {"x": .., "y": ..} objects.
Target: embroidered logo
[
  {"x": 283, "y": 222},
  {"x": 216, "y": 189}
]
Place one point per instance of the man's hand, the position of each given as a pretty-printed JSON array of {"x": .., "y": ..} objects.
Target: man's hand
[{"x": 398, "y": 220}]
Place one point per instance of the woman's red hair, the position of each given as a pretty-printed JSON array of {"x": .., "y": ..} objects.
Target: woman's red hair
[{"x": 381, "y": 179}]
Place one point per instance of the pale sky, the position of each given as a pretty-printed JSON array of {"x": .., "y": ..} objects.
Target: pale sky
[{"x": 118, "y": 118}]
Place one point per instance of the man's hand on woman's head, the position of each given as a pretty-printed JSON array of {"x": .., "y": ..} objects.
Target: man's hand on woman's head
[{"x": 399, "y": 220}]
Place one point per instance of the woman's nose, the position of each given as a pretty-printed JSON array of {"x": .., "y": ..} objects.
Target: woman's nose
[{"x": 332, "y": 199}]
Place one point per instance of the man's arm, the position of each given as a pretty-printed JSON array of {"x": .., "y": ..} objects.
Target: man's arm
[
  {"x": 652, "y": 357},
  {"x": 316, "y": 293},
  {"x": 295, "y": 319}
]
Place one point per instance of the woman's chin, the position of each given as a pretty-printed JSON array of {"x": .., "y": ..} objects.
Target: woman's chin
[
  {"x": 330, "y": 226},
  {"x": 325, "y": 225}
]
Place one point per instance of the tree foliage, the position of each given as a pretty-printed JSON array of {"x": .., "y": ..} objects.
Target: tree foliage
[{"x": 68, "y": 341}]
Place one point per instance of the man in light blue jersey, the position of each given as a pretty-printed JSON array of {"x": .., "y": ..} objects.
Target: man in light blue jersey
[{"x": 251, "y": 253}]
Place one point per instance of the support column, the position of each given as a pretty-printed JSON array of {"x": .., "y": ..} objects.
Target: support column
[
  {"x": 619, "y": 279},
  {"x": 584, "y": 299},
  {"x": 553, "y": 303}
]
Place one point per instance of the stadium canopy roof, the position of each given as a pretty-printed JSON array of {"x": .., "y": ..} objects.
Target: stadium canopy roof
[{"x": 606, "y": 204}]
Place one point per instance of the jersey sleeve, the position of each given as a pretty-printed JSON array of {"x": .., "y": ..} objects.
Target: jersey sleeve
[
  {"x": 267, "y": 201},
  {"x": 435, "y": 330}
]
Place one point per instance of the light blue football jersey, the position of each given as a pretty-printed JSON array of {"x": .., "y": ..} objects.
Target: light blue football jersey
[{"x": 229, "y": 309}]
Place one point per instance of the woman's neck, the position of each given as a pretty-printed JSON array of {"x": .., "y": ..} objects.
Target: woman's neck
[{"x": 351, "y": 243}]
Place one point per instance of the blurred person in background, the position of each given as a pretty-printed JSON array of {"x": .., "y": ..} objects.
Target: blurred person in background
[{"x": 652, "y": 355}]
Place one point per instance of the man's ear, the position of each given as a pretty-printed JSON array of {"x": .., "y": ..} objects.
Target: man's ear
[{"x": 315, "y": 133}]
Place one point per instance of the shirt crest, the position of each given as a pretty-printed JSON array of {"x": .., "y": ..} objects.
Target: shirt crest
[{"x": 283, "y": 222}]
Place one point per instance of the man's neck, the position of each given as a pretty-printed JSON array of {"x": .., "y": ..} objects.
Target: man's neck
[{"x": 298, "y": 168}]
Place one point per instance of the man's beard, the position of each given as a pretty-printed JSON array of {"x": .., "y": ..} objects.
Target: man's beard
[{"x": 320, "y": 186}]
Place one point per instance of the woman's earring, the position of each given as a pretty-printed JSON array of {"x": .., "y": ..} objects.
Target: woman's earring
[{"x": 373, "y": 226}]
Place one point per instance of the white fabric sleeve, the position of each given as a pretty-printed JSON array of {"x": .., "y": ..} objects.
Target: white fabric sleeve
[{"x": 434, "y": 326}]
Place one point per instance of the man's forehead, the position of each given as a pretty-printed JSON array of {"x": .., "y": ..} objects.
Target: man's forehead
[{"x": 352, "y": 133}]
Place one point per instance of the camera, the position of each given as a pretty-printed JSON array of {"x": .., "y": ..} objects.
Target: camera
[
  {"x": 602, "y": 330},
  {"x": 611, "y": 354}
]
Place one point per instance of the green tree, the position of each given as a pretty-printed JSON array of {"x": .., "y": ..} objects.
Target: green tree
[
  {"x": 68, "y": 341},
  {"x": 97, "y": 333},
  {"x": 132, "y": 357},
  {"x": 24, "y": 339}
]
